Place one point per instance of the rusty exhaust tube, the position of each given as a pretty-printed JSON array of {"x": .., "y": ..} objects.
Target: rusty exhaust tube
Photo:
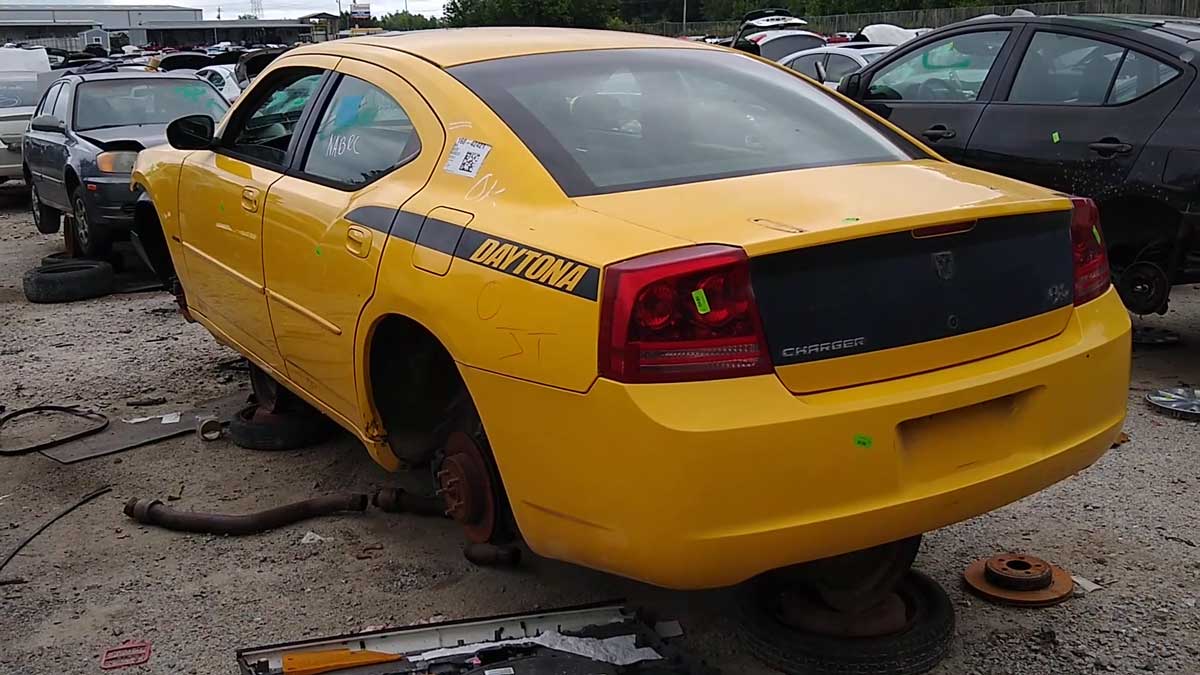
[
  {"x": 154, "y": 512},
  {"x": 397, "y": 500},
  {"x": 491, "y": 555}
]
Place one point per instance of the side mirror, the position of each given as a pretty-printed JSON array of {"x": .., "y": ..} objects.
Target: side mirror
[
  {"x": 820, "y": 72},
  {"x": 194, "y": 132},
  {"x": 850, "y": 85},
  {"x": 48, "y": 123}
]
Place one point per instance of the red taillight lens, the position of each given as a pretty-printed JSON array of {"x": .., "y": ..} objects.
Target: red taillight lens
[
  {"x": 1087, "y": 244},
  {"x": 686, "y": 314}
]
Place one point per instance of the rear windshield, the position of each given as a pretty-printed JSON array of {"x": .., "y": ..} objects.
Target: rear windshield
[
  {"x": 627, "y": 119},
  {"x": 121, "y": 102},
  {"x": 18, "y": 90}
]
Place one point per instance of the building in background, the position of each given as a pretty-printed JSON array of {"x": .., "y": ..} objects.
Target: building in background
[
  {"x": 239, "y": 32},
  {"x": 324, "y": 25}
]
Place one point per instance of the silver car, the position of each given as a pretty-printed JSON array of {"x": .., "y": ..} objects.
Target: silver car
[
  {"x": 19, "y": 94},
  {"x": 831, "y": 63}
]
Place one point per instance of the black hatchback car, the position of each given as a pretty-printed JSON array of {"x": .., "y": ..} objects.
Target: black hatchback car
[
  {"x": 1097, "y": 106},
  {"x": 84, "y": 137}
]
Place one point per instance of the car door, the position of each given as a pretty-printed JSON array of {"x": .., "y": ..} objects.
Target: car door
[
  {"x": 222, "y": 198},
  {"x": 33, "y": 146},
  {"x": 1073, "y": 112},
  {"x": 936, "y": 90},
  {"x": 371, "y": 146},
  {"x": 57, "y": 148}
]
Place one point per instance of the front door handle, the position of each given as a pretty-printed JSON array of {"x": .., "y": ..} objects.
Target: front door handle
[
  {"x": 358, "y": 241},
  {"x": 938, "y": 132},
  {"x": 1110, "y": 146},
  {"x": 250, "y": 197}
]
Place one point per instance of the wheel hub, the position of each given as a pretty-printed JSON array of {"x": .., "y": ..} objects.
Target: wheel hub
[
  {"x": 1144, "y": 288},
  {"x": 466, "y": 487}
]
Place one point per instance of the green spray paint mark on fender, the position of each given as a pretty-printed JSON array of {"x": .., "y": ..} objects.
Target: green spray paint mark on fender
[
  {"x": 701, "y": 301},
  {"x": 863, "y": 440},
  {"x": 318, "y": 251},
  {"x": 1055, "y": 137}
]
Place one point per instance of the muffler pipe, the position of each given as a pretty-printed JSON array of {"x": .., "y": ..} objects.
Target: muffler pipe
[{"x": 154, "y": 512}]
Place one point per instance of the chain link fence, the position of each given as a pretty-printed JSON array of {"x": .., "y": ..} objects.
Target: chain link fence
[{"x": 935, "y": 18}]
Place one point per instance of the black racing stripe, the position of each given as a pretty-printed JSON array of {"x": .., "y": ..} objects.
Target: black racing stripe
[
  {"x": 440, "y": 235},
  {"x": 378, "y": 218},
  {"x": 407, "y": 225}
]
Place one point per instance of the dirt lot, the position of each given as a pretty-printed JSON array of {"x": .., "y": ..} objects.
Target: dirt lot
[{"x": 95, "y": 579}]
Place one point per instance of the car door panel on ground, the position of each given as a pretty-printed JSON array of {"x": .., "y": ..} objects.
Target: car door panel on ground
[
  {"x": 1074, "y": 109},
  {"x": 222, "y": 204},
  {"x": 326, "y": 222},
  {"x": 938, "y": 90}
]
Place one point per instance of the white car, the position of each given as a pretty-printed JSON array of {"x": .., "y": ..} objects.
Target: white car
[
  {"x": 223, "y": 78},
  {"x": 831, "y": 63}
]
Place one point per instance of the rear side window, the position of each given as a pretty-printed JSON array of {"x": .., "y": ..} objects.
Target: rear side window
[
  {"x": 1065, "y": 69},
  {"x": 1139, "y": 75},
  {"x": 626, "y": 119},
  {"x": 363, "y": 134}
]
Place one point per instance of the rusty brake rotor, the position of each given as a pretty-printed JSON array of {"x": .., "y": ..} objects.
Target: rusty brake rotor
[
  {"x": 1018, "y": 579},
  {"x": 466, "y": 487}
]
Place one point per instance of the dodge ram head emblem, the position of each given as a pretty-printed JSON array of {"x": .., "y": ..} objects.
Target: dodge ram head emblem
[{"x": 943, "y": 262}]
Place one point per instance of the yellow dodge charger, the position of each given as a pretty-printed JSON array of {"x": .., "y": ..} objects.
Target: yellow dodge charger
[{"x": 661, "y": 308}]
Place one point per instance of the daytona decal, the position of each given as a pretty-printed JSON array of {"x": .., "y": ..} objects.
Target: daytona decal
[{"x": 530, "y": 264}]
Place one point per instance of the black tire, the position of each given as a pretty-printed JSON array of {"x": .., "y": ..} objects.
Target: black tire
[
  {"x": 47, "y": 220},
  {"x": 57, "y": 259},
  {"x": 916, "y": 649},
  {"x": 68, "y": 281},
  {"x": 255, "y": 429},
  {"x": 92, "y": 240}
]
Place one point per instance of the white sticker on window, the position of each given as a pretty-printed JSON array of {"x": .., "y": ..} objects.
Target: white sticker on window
[
  {"x": 499, "y": 671},
  {"x": 466, "y": 157}
]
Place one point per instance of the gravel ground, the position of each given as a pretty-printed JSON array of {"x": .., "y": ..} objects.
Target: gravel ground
[{"x": 95, "y": 579}]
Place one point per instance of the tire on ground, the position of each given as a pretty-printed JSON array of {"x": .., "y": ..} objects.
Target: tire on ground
[
  {"x": 916, "y": 649},
  {"x": 68, "y": 281},
  {"x": 253, "y": 429}
]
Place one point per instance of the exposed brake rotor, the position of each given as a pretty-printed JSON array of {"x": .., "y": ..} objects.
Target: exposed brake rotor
[
  {"x": 1020, "y": 580},
  {"x": 1144, "y": 287},
  {"x": 466, "y": 486}
]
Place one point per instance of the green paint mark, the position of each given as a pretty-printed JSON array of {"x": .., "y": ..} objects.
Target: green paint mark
[
  {"x": 1096, "y": 234},
  {"x": 1055, "y": 137},
  {"x": 221, "y": 207},
  {"x": 318, "y": 251},
  {"x": 851, "y": 219},
  {"x": 701, "y": 301},
  {"x": 863, "y": 440}
]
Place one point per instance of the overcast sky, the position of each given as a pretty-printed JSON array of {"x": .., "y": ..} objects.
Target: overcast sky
[{"x": 275, "y": 9}]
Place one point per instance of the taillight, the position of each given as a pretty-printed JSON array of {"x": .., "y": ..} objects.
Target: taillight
[
  {"x": 1087, "y": 244},
  {"x": 685, "y": 314}
]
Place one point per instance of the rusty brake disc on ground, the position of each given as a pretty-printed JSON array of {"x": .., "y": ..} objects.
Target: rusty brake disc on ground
[
  {"x": 466, "y": 486},
  {"x": 1018, "y": 579}
]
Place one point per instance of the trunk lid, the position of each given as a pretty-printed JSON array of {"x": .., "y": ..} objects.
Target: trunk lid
[{"x": 870, "y": 272}]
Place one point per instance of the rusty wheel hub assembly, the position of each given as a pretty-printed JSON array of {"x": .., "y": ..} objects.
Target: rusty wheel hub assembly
[
  {"x": 466, "y": 486},
  {"x": 1019, "y": 580}
]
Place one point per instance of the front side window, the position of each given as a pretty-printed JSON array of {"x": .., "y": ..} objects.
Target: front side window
[
  {"x": 1139, "y": 75},
  {"x": 62, "y": 105},
  {"x": 47, "y": 106},
  {"x": 1065, "y": 69},
  {"x": 949, "y": 70},
  {"x": 627, "y": 119},
  {"x": 807, "y": 64},
  {"x": 265, "y": 129},
  {"x": 137, "y": 101},
  {"x": 839, "y": 66},
  {"x": 363, "y": 134},
  {"x": 216, "y": 79}
]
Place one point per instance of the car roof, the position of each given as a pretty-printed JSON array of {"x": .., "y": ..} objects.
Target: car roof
[
  {"x": 448, "y": 47},
  {"x": 1168, "y": 33},
  {"x": 131, "y": 75},
  {"x": 842, "y": 49}
]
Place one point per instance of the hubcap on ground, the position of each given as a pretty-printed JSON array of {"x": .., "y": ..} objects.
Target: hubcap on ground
[{"x": 466, "y": 486}]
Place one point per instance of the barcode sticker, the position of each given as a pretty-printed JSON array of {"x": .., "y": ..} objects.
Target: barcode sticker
[{"x": 467, "y": 157}]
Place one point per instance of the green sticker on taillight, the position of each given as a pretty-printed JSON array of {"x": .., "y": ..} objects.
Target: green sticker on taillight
[
  {"x": 701, "y": 301},
  {"x": 1096, "y": 234},
  {"x": 863, "y": 440}
]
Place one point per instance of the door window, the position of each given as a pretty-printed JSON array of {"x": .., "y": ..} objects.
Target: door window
[
  {"x": 363, "y": 134},
  {"x": 264, "y": 129},
  {"x": 949, "y": 70},
  {"x": 1065, "y": 69},
  {"x": 62, "y": 105},
  {"x": 47, "y": 106},
  {"x": 807, "y": 64},
  {"x": 838, "y": 67},
  {"x": 1139, "y": 75}
]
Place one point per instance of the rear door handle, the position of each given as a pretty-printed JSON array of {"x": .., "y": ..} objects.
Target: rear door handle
[
  {"x": 1109, "y": 147},
  {"x": 358, "y": 241},
  {"x": 250, "y": 197},
  {"x": 938, "y": 132}
]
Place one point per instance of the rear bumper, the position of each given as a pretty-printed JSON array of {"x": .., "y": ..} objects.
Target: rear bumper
[
  {"x": 109, "y": 201},
  {"x": 706, "y": 484}
]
